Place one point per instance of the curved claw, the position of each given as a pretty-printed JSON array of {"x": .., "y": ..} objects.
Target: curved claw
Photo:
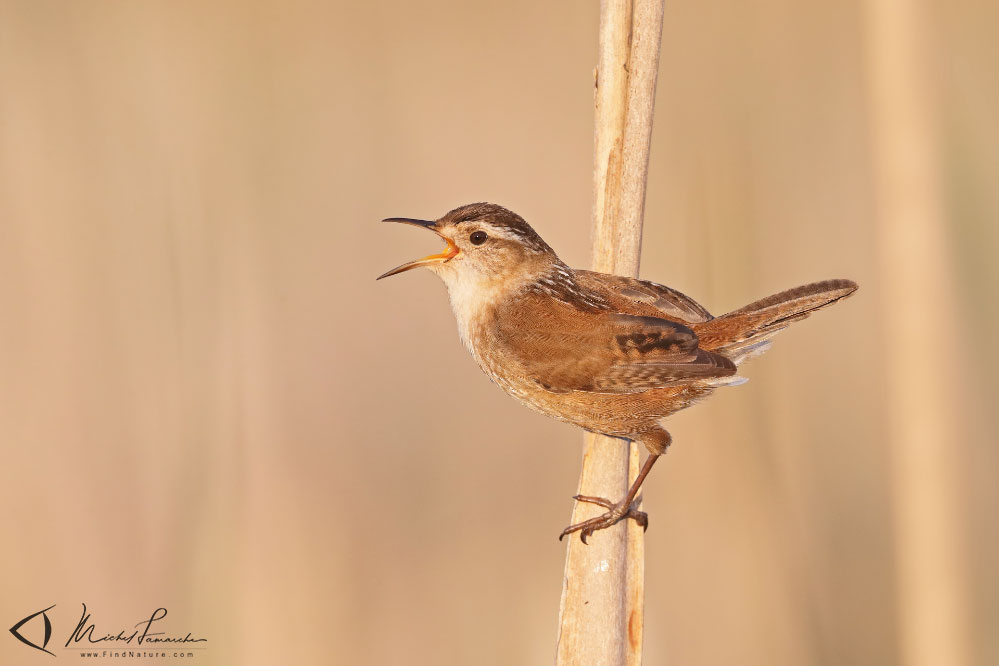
[{"x": 604, "y": 520}]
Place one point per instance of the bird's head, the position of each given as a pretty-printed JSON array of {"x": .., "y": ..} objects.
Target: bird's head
[{"x": 486, "y": 245}]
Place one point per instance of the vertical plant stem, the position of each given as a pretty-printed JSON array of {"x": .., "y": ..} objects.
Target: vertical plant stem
[
  {"x": 917, "y": 307},
  {"x": 601, "y": 618}
]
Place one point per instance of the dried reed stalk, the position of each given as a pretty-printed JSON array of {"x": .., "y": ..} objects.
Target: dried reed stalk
[
  {"x": 601, "y": 617},
  {"x": 917, "y": 309}
]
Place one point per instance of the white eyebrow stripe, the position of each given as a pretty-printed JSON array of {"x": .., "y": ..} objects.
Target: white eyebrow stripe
[{"x": 508, "y": 233}]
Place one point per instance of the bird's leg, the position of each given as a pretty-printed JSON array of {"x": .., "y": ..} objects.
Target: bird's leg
[{"x": 616, "y": 512}]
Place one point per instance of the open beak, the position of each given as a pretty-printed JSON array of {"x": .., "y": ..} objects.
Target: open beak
[{"x": 449, "y": 252}]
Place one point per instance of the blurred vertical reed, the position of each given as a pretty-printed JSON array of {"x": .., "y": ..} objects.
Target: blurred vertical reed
[
  {"x": 918, "y": 316},
  {"x": 601, "y": 616}
]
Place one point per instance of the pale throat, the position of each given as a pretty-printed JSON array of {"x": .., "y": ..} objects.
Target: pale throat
[{"x": 474, "y": 297}]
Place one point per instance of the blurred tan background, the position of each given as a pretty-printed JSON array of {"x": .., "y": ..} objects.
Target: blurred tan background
[{"x": 208, "y": 404}]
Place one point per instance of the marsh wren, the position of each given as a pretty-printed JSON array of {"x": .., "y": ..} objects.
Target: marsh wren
[{"x": 610, "y": 354}]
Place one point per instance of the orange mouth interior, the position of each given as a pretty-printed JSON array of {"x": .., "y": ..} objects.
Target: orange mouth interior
[{"x": 450, "y": 252}]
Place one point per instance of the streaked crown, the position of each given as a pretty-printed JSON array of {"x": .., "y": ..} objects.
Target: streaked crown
[{"x": 499, "y": 218}]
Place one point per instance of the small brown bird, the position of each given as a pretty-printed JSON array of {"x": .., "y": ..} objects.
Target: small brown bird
[{"x": 610, "y": 354}]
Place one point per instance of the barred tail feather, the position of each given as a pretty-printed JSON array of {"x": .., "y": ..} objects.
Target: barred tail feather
[{"x": 747, "y": 332}]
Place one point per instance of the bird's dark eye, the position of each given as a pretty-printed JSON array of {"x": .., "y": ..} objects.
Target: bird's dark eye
[{"x": 478, "y": 237}]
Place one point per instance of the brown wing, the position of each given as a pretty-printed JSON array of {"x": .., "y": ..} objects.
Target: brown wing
[
  {"x": 568, "y": 348},
  {"x": 641, "y": 297}
]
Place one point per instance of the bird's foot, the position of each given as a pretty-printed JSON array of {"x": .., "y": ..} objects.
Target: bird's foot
[{"x": 615, "y": 513}]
